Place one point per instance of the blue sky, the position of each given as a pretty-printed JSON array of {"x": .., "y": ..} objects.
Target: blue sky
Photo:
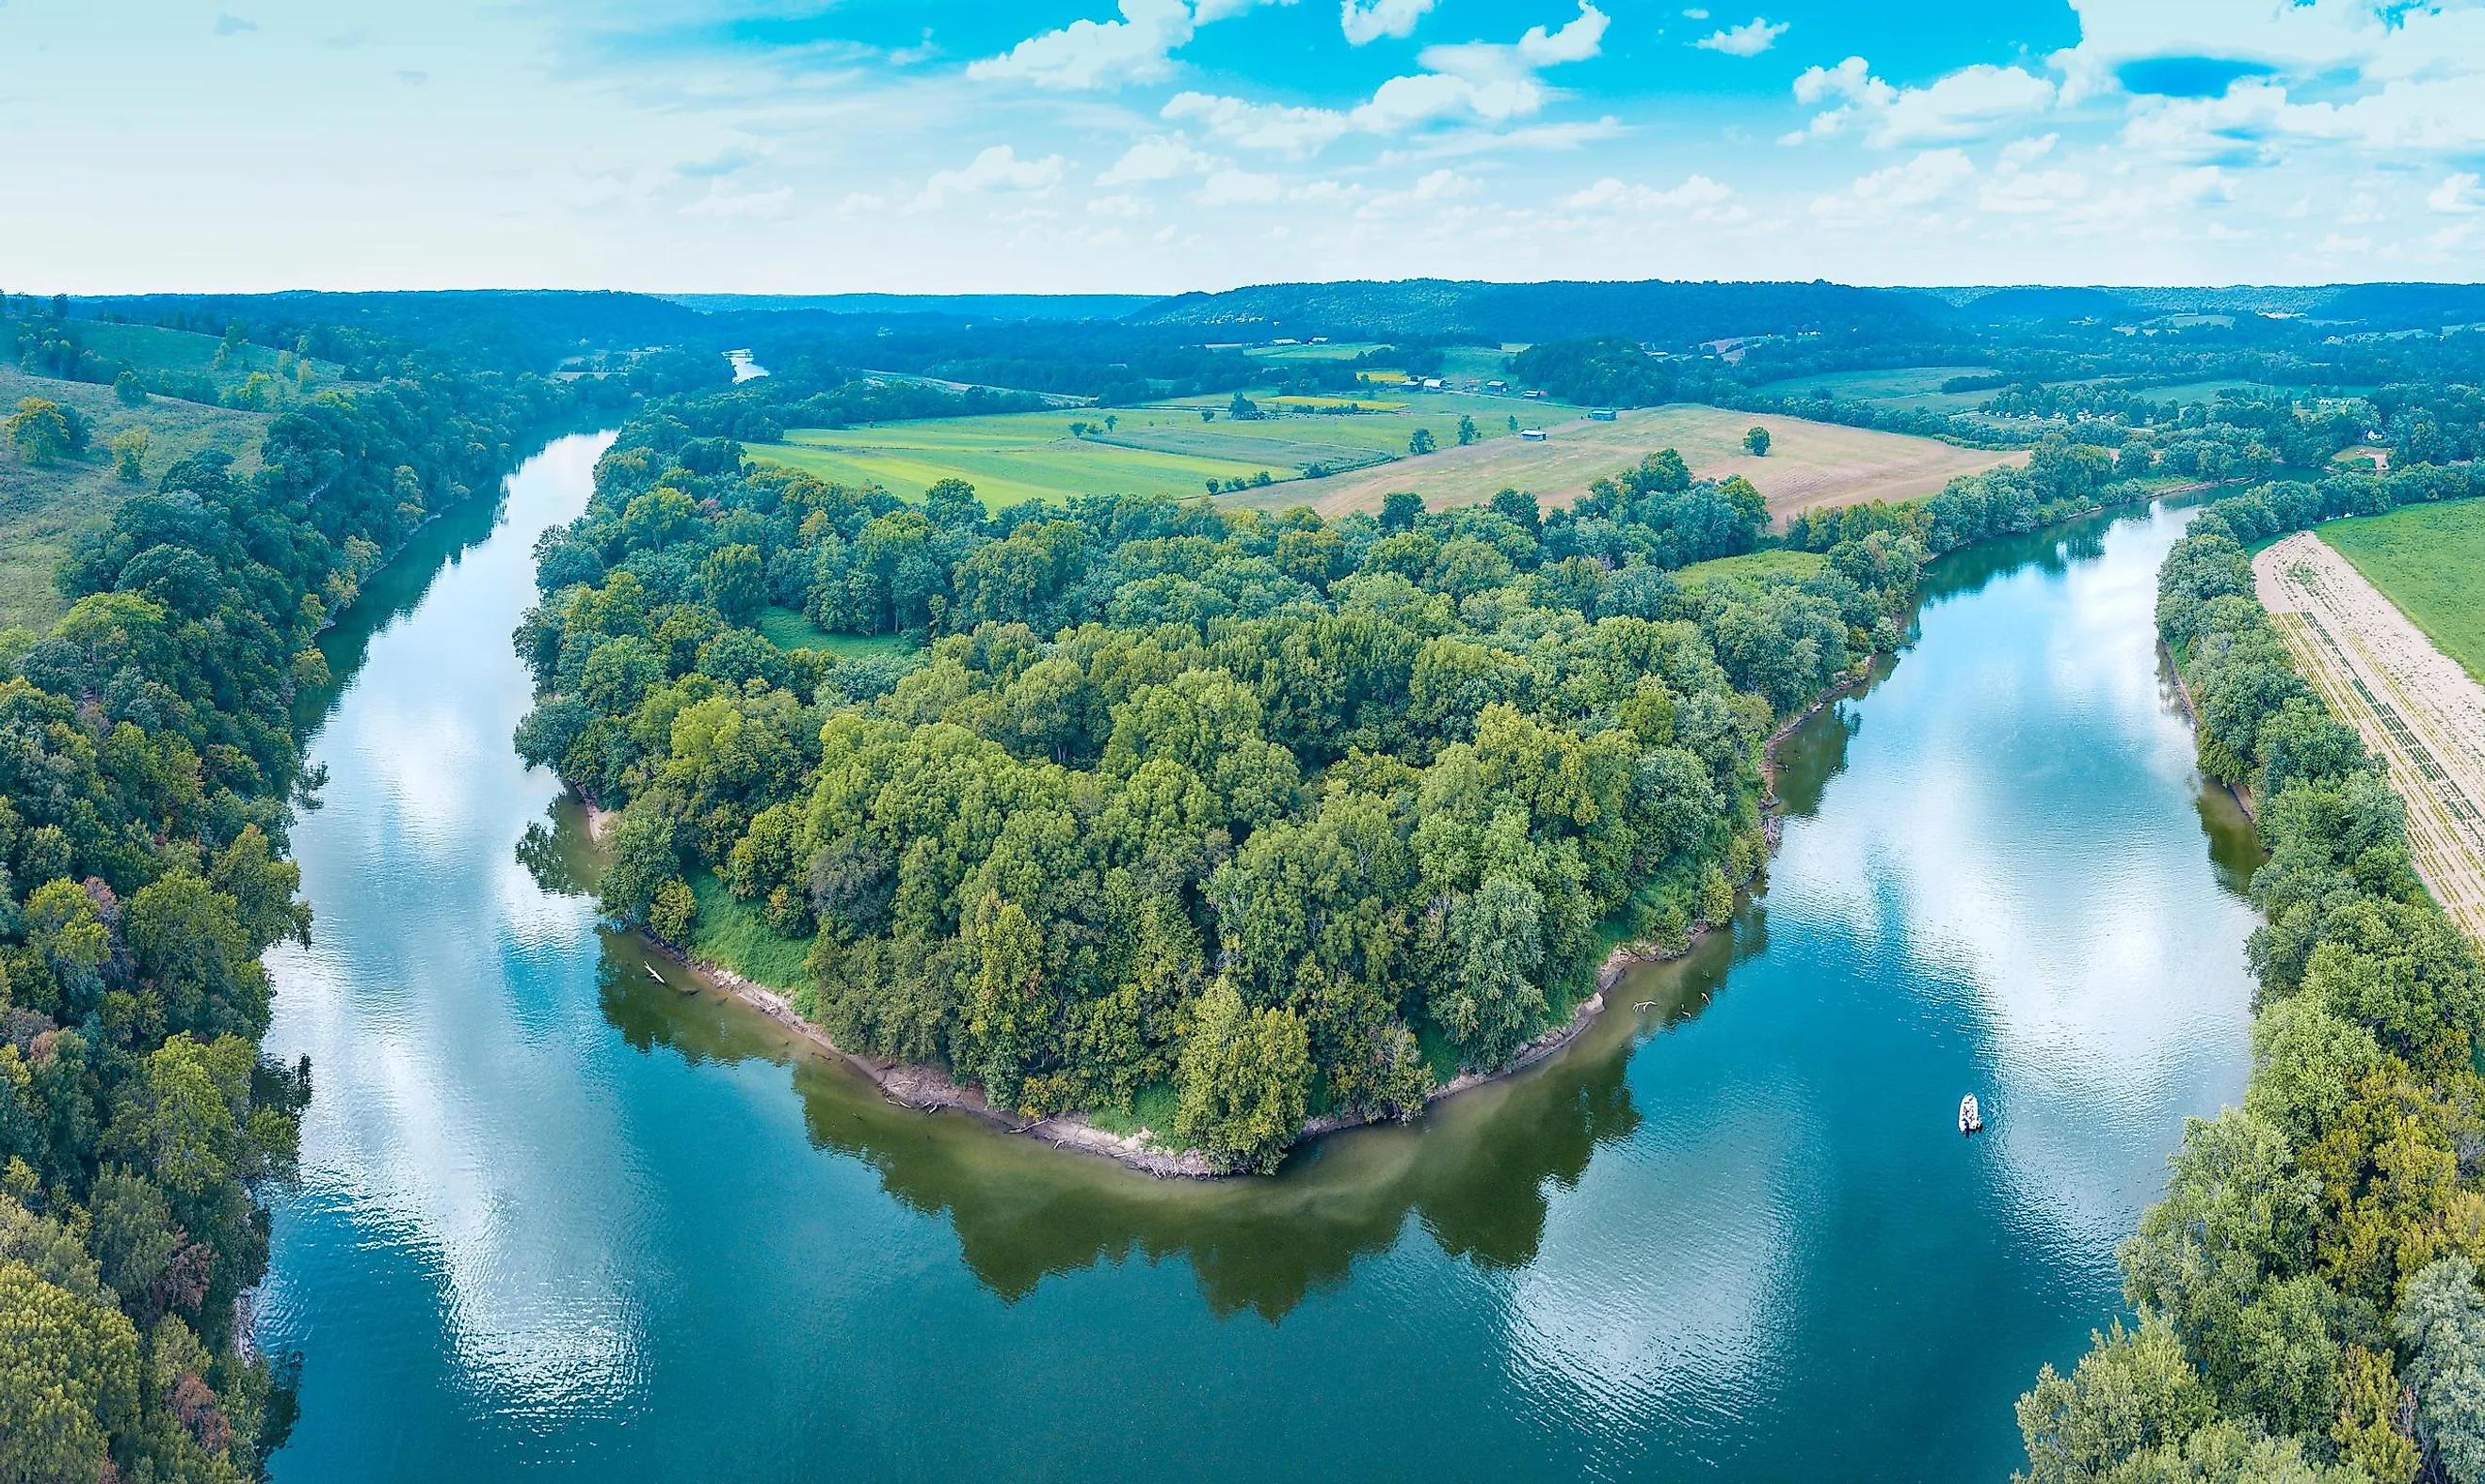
[{"x": 794, "y": 146}]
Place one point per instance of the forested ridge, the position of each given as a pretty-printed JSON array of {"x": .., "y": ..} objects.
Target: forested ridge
[
  {"x": 2306, "y": 1289},
  {"x": 149, "y": 760},
  {"x": 1260, "y": 815}
]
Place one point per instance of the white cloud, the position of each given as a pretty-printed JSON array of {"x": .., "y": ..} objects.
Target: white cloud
[
  {"x": 721, "y": 199},
  {"x": 1240, "y": 188},
  {"x": 1371, "y": 21},
  {"x": 1929, "y": 179},
  {"x": 1274, "y": 127},
  {"x": 1697, "y": 198},
  {"x": 1206, "y": 11},
  {"x": 1120, "y": 205},
  {"x": 2455, "y": 195},
  {"x": 1435, "y": 189},
  {"x": 1748, "y": 39},
  {"x": 996, "y": 169},
  {"x": 1403, "y": 102},
  {"x": 1970, "y": 103},
  {"x": 1160, "y": 158},
  {"x": 1097, "y": 54},
  {"x": 1576, "y": 41}
]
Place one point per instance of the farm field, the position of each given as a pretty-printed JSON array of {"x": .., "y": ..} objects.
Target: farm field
[
  {"x": 1917, "y": 388},
  {"x": 2416, "y": 709},
  {"x": 1164, "y": 448},
  {"x": 1012, "y": 458},
  {"x": 1808, "y": 463},
  {"x": 2430, "y": 561},
  {"x": 789, "y": 628},
  {"x": 43, "y": 509}
]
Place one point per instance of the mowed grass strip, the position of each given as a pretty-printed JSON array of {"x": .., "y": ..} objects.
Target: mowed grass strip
[
  {"x": 43, "y": 509},
  {"x": 2429, "y": 560},
  {"x": 1807, "y": 463}
]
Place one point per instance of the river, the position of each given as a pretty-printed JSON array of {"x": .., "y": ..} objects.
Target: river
[{"x": 560, "y": 1219}]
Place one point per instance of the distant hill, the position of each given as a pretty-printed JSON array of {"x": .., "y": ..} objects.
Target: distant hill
[
  {"x": 1657, "y": 311},
  {"x": 2037, "y": 303},
  {"x": 961, "y": 305},
  {"x": 532, "y": 329},
  {"x": 2405, "y": 306}
]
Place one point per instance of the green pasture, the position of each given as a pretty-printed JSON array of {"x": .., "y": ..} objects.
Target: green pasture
[
  {"x": 787, "y": 629},
  {"x": 2430, "y": 560},
  {"x": 734, "y": 934},
  {"x": 1776, "y": 561},
  {"x": 43, "y": 508},
  {"x": 154, "y": 348},
  {"x": 1917, "y": 388},
  {"x": 1165, "y": 448}
]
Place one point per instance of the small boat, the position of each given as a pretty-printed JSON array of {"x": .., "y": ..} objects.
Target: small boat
[{"x": 1970, "y": 1122}]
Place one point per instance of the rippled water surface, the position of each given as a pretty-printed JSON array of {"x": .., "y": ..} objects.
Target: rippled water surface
[{"x": 564, "y": 1218}]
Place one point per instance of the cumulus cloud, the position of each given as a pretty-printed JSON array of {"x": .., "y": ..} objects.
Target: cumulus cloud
[
  {"x": 1480, "y": 81},
  {"x": 1161, "y": 158},
  {"x": 1970, "y": 103},
  {"x": 1240, "y": 188},
  {"x": 1096, "y": 53},
  {"x": 1697, "y": 198},
  {"x": 1274, "y": 127},
  {"x": 1369, "y": 20},
  {"x": 996, "y": 169},
  {"x": 1748, "y": 39},
  {"x": 2455, "y": 195},
  {"x": 1929, "y": 179}
]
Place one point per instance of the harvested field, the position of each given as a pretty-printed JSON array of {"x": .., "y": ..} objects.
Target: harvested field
[
  {"x": 2419, "y": 712},
  {"x": 2430, "y": 561},
  {"x": 1808, "y": 463}
]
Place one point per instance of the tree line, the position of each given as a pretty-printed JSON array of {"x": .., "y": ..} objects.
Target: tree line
[
  {"x": 149, "y": 759},
  {"x": 1258, "y": 815},
  {"x": 2306, "y": 1290}
]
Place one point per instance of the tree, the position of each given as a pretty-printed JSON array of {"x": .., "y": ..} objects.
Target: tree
[
  {"x": 39, "y": 431},
  {"x": 69, "y": 1379},
  {"x": 737, "y": 581},
  {"x": 644, "y": 859},
  {"x": 2134, "y": 1391},
  {"x": 1400, "y": 509},
  {"x": 1422, "y": 442},
  {"x": 1466, "y": 431},
  {"x": 129, "y": 389},
  {"x": 1757, "y": 441},
  {"x": 1242, "y": 1081},
  {"x": 1208, "y": 414},
  {"x": 670, "y": 915},
  {"x": 129, "y": 455},
  {"x": 1242, "y": 409},
  {"x": 2442, "y": 1321}
]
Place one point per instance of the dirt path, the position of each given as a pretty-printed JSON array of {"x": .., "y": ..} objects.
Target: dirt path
[{"x": 2419, "y": 710}]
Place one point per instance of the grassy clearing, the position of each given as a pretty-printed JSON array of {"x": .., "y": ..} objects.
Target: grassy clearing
[
  {"x": 787, "y": 629},
  {"x": 43, "y": 509},
  {"x": 1166, "y": 448},
  {"x": 2429, "y": 560},
  {"x": 1808, "y": 463},
  {"x": 733, "y": 932},
  {"x": 1152, "y": 1108},
  {"x": 1917, "y": 388},
  {"x": 1010, "y": 458},
  {"x": 154, "y": 348},
  {"x": 1774, "y": 562},
  {"x": 1346, "y": 350}
]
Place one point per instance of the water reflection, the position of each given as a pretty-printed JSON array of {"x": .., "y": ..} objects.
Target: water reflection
[{"x": 566, "y": 1213}]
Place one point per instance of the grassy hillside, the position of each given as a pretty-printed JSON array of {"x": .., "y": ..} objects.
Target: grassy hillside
[
  {"x": 2430, "y": 560},
  {"x": 41, "y": 508}
]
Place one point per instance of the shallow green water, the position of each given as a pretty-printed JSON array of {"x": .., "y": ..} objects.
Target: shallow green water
[{"x": 561, "y": 1220}]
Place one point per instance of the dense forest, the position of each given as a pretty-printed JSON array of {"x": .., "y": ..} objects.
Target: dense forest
[
  {"x": 2307, "y": 1295},
  {"x": 1264, "y": 815},
  {"x": 149, "y": 762}
]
